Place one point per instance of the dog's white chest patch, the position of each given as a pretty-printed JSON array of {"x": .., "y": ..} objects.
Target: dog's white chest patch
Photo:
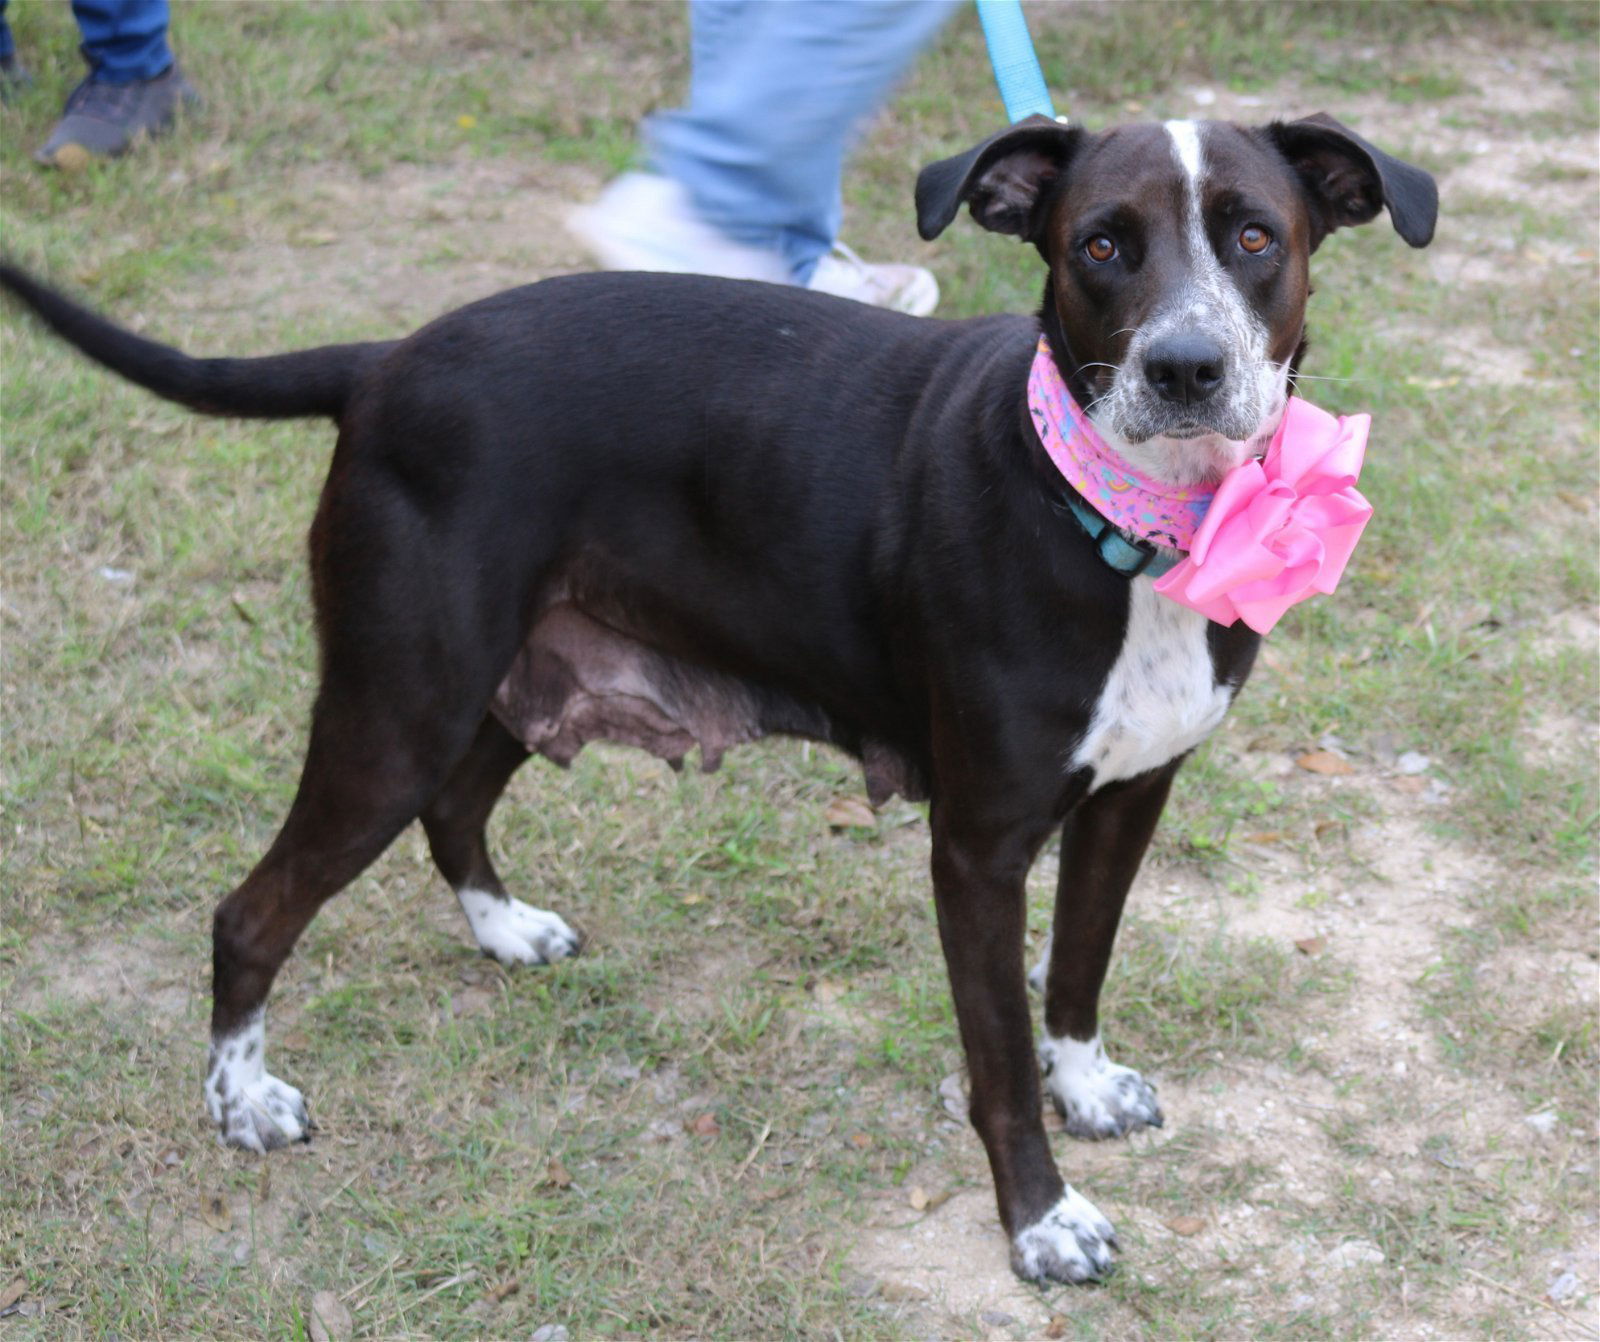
[{"x": 1161, "y": 698}]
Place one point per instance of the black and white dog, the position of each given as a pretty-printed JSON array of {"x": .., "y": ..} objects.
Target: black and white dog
[{"x": 677, "y": 511}]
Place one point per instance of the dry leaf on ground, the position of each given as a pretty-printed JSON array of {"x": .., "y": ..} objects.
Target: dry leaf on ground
[
  {"x": 215, "y": 1212},
  {"x": 850, "y": 813},
  {"x": 1325, "y": 762}
]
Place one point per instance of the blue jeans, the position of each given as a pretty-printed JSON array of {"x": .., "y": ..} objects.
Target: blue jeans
[
  {"x": 124, "y": 41},
  {"x": 777, "y": 90}
]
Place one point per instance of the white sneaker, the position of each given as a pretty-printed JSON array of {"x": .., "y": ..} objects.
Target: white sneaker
[
  {"x": 883, "y": 285},
  {"x": 644, "y": 221}
]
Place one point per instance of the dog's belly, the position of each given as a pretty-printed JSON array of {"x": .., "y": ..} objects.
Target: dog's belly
[
  {"x": 579, "y": 679},
  {"x": 1162, "y": 697}
]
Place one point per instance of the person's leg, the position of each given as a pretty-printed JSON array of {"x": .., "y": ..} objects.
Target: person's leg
[
  {"x": 14, "y": 78},
  {"x": 777, "y": 94},
  {"x": 124, "y": 41}
]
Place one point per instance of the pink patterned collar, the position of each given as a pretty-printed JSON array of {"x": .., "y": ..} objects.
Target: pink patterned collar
[
  {"x": 1165, "y": 515},
  {"x": 1271, "y": 534}
]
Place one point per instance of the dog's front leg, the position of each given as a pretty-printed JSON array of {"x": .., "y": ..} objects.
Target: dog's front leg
[
  {"x": 978, "y": 874},
  {"x": 1102, "y": 845}
]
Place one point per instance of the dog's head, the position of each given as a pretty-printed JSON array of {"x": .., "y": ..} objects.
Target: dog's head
[{"x": 1178, "y": 258}]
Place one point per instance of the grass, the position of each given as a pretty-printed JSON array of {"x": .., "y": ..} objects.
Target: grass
[{"x": 500, "y": 1151}]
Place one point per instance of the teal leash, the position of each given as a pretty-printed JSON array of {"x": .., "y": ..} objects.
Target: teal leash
[{"x": 1016, "y": 68}]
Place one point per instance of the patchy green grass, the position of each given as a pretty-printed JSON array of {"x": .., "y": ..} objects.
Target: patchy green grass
[{"x": 1352, "y": 989}]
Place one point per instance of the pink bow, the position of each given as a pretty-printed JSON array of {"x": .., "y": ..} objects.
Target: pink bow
[{"x": 1281, "y": 528}]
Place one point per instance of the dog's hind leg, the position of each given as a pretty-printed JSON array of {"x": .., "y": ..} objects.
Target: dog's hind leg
[
  {"x": 346, "y": 813},
  {"x": 506, "y": 928},
  {"x": 408, "y": 670},
  {"x": 1102, "y": 845}
]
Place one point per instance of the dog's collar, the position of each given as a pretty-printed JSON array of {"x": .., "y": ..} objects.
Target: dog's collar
[
  {"x": 1121, "y": 551},
  {"x": 1137, "y": 525}
]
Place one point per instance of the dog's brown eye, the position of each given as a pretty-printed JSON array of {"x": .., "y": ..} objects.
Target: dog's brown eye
[
  {"x": 1255, "y": 239},
  {"x": 1100, "y": 248}
]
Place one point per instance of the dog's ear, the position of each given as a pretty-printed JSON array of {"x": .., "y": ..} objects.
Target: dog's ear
[
  {"x": 1347, "y": 180},
  {"x": 1003, "y": 180}
]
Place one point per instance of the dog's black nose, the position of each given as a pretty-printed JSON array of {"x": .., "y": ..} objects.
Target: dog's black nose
[{"x": 1185, "y": 368}]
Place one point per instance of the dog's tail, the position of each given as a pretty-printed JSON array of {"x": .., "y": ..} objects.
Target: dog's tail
[{"x": 278, "y": 386}]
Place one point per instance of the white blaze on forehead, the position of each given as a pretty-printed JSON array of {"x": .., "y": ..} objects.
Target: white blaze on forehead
[{"x": 1186, "y": 144}]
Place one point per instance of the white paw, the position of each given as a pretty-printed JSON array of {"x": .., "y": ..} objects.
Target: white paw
[
  {"x": 516, "y": 933},
  {"x": 1096, "y": 1097},
  {"x": 1071, "y": 1242},
  {"x": 1038, "y": 974},
  {"x": 252, "y": 1108}
]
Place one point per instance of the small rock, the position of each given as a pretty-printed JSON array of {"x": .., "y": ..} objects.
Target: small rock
[
  {"x": 330, "y": 1321},
  {"x": 1412, "y": 763},
  {"x": 1354, "y": 1252},
  {"x": 1563, "y": 1288},
  {"x": 1384, "y": 748},
  {"x": 997, "y": 1318},
  {"x": 661, "y": 1130},
  {"x": 1544, "y": 1123},
  {"x": 623, "y": 1073},
  {"x": 120, "y": 576},
  {"x": 816, "y": 1125},
  {"x": 953, "y": 1097},
  {"x": 551, "y": 1332}
]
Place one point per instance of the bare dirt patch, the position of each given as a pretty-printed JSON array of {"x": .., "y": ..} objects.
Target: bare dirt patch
[
  {"x": 142, "y": 972},
  {"x": 404, "y": 246}
]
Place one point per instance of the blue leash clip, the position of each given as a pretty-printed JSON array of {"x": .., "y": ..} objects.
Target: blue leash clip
[{"x": 1016, "y": 68}]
